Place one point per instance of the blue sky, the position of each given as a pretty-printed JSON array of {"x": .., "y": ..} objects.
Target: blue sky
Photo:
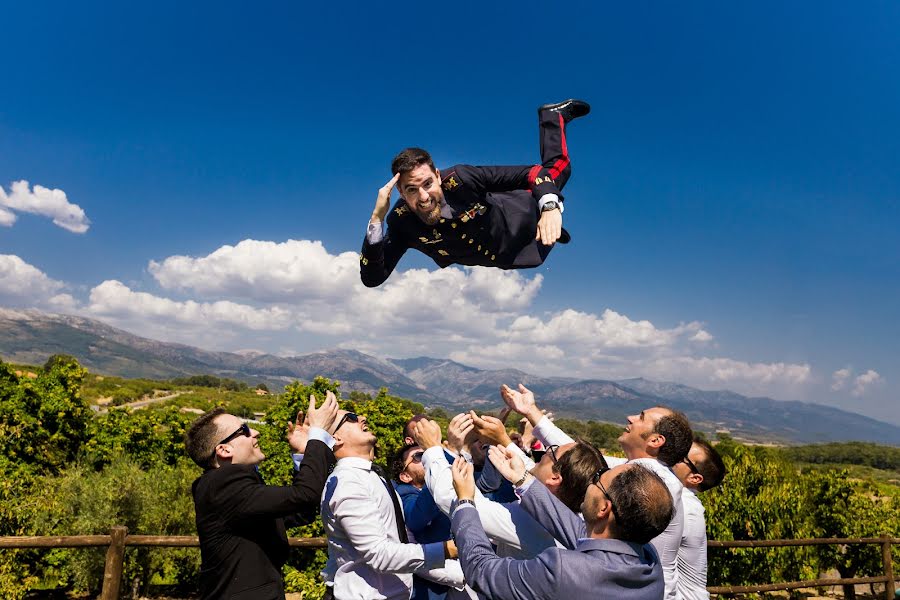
[{"x": 734, "y": 197}]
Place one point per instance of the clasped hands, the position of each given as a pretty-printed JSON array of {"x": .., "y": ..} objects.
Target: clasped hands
[{"x": 323, "y": 417}]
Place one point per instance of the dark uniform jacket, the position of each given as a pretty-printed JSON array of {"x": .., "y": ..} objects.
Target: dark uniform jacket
[
  {"x": 241, "y": 523},
  {"x": 494, "y": 224}
]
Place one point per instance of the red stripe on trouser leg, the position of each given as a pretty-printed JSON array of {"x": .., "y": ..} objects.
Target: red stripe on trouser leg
[{"x": 562, "y": 163}]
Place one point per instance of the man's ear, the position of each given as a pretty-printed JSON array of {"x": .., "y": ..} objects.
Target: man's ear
[
  {"x": 405, "y": 477},
  {"x": 657, "y": 440},
  {"x": 224, "y": 452},
  {"x": 694, "y": 479},
  {"x": 438, "y": 173}
]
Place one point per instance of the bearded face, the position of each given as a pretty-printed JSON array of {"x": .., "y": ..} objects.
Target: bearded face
[{"x": 421, "y": 189}]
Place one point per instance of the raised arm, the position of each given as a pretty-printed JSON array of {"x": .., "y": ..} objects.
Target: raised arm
[
  {"x": 522, "y": 401},
  {"x": 537, "y": 501},
  {"x": 505, "y": 524},
  {"x": 380, "y": 252},
  {"x": 498, "y": 578}
]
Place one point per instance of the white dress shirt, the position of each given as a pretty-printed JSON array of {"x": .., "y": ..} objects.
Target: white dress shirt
[
  {"x": 666, "y": 543},
  {"x": 515, "y": 533},
  {"x": 692, "y": 553},
  {"x": 366, "y": 559}
]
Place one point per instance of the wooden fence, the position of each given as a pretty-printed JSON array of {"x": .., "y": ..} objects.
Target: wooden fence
[{"x": 118, "y": 540}]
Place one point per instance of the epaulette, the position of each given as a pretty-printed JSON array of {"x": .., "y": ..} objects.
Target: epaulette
[
  {"x": 451, "y": 181},
  {"x": 401, "y": 209}
]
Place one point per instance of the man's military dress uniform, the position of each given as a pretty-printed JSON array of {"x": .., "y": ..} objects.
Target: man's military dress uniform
[{"x": 490, "y": 218}]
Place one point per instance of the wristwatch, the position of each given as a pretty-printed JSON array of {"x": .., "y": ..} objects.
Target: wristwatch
[{"x": 551, "y": 205}]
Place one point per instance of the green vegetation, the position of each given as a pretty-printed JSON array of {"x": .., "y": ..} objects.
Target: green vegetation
[{"x": 66, "y": 470}]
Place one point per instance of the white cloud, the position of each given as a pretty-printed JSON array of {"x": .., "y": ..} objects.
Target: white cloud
[
  {"x": 610, "y": 330},
  {"x": 839, "y": 379},
  {"x": 265, "y": 271},
  {"x": 701, "y": 337},
  {"x": 865, "y": 381},
  {"x": 727, "y": 371},
  {"x": 7, "y": 217},
  {"x": 114, "y": 299},
  {"x": 296, "y": 297},
  {"x": 22, "y": 284},
  {"x": 42, "y": 201}
]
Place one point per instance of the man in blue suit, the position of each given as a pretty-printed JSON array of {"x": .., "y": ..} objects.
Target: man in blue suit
[{"x": 607, "y": 555}]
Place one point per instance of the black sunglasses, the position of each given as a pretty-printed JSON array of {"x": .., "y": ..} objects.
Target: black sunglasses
[
  {"x": 552, "y": 448},
  {"x": 595, "y": 479},
  {"x": 691, "y": 465},
  {"x": 352, "y": 417},
  {"x": 415, "y": 458},
  {"x": 244, "y": 429}
]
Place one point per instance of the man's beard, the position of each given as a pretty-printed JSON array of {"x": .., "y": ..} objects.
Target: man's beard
[{"x": 431, "y": 216}]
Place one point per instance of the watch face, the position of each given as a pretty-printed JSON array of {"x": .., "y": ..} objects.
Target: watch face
[{"x": 551, "y": 205}]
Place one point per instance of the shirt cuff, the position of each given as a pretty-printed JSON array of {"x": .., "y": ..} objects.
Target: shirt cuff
[
  {"x": 434, "y": 555},
  {"x": 432, "y": 454},
  {"x": 524, "y": 487},
  {"x": 547, "y": 198},
  {"x": 297, "y": 458},
  {"x": 540, "y": 430},
  {"x": 317, "y": 433},
  {"x": 375, "y": 232}
]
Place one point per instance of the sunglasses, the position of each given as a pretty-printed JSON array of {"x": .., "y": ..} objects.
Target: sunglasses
[
  {"x": 690, "y": 465},
  {"x": 552, "y": 448},
  {"x": 415, "y": 458},
  {"x": 244, "y": 429},
  {"x": 595, "y": 479},
  {"x": 352, "y": 417}
]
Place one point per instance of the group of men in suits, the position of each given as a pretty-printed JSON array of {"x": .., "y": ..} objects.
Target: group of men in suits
[{"x": 578, "y": 521}]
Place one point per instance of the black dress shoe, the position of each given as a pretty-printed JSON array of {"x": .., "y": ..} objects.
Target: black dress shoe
[{"x": 569, "y": 109}]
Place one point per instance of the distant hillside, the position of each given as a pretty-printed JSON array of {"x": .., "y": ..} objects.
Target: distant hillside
[{"x": 31, "y": 336}]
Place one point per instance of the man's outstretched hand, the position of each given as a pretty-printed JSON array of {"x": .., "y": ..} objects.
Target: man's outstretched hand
[
  {"x": 463, "y": 478},
  {"x": 549, "y": 227},
  {"x": 325, "y": 416},
  {"x": 427, "y": 434},
  {"x": 522, "y": 401},
  {"x": 383, "y": 201},
  {"x": 507, "y": 463}
]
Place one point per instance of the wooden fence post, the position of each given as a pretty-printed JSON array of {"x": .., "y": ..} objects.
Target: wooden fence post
[
  {"x": 115, "y": 562},
  {"x": 889, "y": 588}
]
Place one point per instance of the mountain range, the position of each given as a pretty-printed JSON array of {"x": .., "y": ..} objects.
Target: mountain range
[{"x": 30, "y": 336}]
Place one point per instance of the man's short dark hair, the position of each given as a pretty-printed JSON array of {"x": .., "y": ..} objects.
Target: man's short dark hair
[
  {"x": 577, "y": 466},
  {"x": 643, "y": 504},
  {"x": 710, "y": 466},
  {"x": 202, "y": 437},
  {"x": 411, "y": 424},
  {"x": 676, "y": 428},
  {"x": 409, "y": 159},
  {"x": 398, "y": 461}
]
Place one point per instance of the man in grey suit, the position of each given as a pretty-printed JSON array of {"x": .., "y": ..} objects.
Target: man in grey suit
[{"x": 606, "y": 555}]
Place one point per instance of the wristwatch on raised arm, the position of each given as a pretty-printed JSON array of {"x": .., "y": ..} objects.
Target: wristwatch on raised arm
[{"x": 551, "y": 205}]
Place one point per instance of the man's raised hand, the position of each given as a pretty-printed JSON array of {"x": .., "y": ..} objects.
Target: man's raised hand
[
  {"x": 325, "y": 416},
  {"x": 427, "y": 434},
  {"x": 507, "y": 463},
  {"x": 460, "y": 432},
  {"x": 298, "y": 434},
  {"x": 521, "y": 401},
  {"x": 491, "y": 429},
  {"x": 383, "y": 201},
  {"x": 463, "y": 479}
]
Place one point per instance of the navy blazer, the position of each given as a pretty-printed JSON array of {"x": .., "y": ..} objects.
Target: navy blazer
[{"x": 586, "y": 568}]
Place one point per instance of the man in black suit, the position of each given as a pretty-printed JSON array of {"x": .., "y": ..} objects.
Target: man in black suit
[
  {"x": 506, "y": 217},
  {"x": 240, "y": 520}
]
